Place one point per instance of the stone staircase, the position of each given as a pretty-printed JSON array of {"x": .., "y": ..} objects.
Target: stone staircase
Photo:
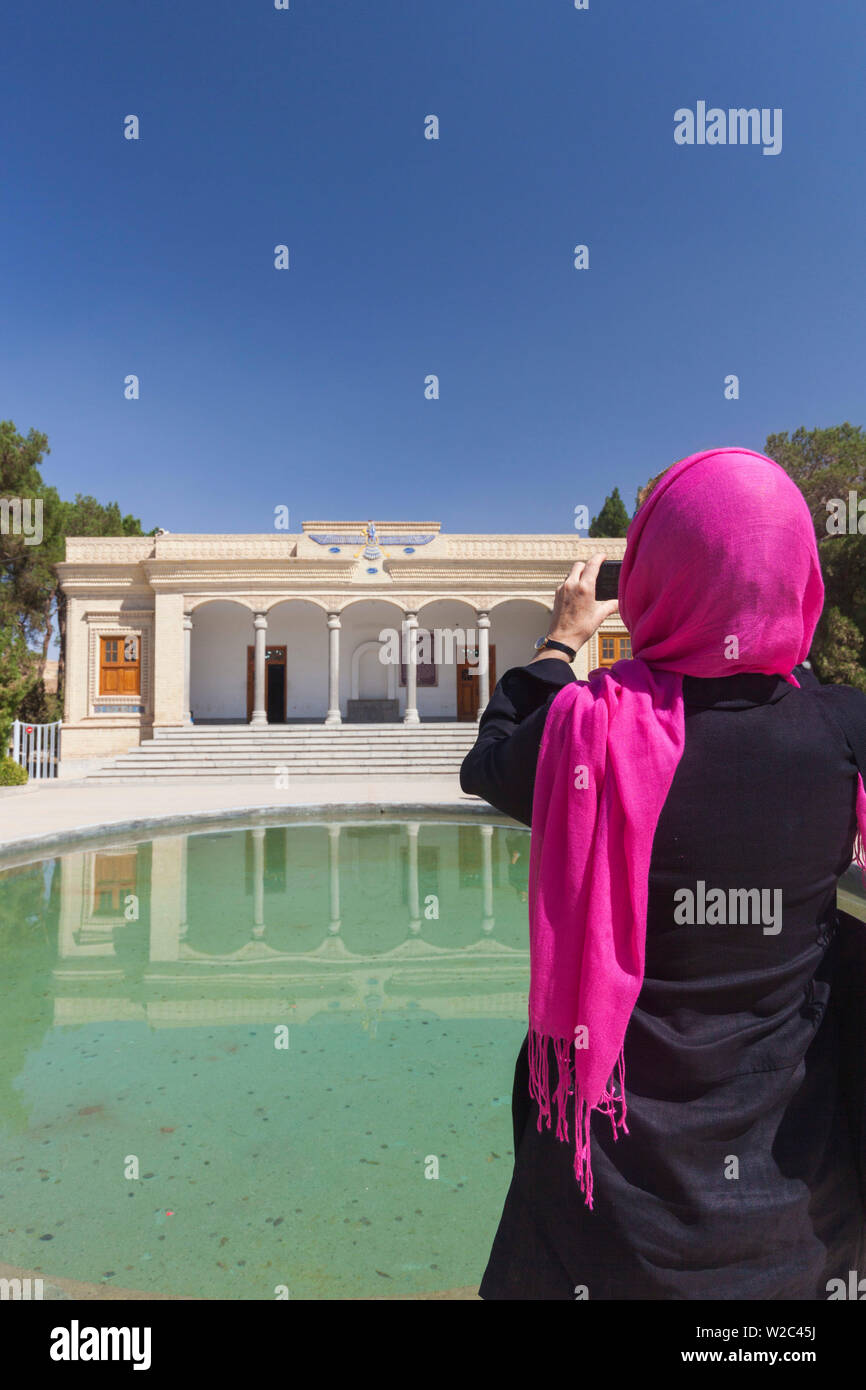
[{"x": 343, "y": 750}]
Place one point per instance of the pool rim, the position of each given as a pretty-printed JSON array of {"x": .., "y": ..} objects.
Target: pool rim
[{"x": 33, "y": 849}]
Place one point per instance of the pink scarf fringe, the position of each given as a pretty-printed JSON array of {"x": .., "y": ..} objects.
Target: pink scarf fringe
[{"x": 611, "y": 1103}]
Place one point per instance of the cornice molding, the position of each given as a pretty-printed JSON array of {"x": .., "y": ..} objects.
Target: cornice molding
[
  {"x": 111, "y": 615},
  {"x": 275, "y": 577},
  {"x": 545, "y": 575},
  {"x": 269, "y": 566},
  {"x": 527, "y": 547},
  {"x": 384, "y": 526}
]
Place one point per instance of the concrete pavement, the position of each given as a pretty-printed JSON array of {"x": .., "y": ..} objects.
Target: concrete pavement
[{"x": 44, "y": 815}]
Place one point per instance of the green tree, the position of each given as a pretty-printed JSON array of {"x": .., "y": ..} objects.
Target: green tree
[
  {"x": 24, "y": 568},
  {"x": 643, "y": 492},
  {"x": 613, "y": 518},
  {"x": 827, "y": 464},
  {"x": 19, "y": 673},
  {"x": 32, "y": 605}
]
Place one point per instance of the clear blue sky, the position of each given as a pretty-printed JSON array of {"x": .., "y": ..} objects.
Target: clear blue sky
[{"x": 410, "y": 256}]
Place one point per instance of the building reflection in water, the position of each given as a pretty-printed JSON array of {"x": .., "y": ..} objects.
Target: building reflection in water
[
  {"x": 278, "y": 923},
  {"x": 141, "y": 990}
]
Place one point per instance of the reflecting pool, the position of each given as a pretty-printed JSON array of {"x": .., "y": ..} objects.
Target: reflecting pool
[{"x": 267, "y": 1061}]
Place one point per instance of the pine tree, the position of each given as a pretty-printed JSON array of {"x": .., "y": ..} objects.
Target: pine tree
[
  {"x": 613, "y": 518},
  {"x": 31, "y": 601},
  {"x": 826, "y": 464}
]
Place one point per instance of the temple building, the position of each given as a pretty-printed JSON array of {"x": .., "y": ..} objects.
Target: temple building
[{"x": 319, "y": 628}]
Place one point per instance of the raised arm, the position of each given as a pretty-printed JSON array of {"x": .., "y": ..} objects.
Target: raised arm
[{"x": 501, "y": 766}]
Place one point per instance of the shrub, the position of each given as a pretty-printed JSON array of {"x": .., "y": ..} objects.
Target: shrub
[{"x": 12, "y": 774}]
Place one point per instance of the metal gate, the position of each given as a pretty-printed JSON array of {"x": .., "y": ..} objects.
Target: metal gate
[{"x": 37, "y": 747}]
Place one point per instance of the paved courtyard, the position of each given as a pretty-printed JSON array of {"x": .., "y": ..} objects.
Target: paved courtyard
[{"x": 42, "y": 814}]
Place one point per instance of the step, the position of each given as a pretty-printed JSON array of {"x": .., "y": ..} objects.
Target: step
[
  {"x": 425, "y": 723},
  {"x": 326, "y": 740},
  {"x": 267, "y": 750},
  {"x": 268, "y": 774},
  {"x": 166, "y": 745},
  {"x": 271, "y": 768},
  {"x": 311, "y": 741},
  {"x": 274, "y": 762},
  {"x": 335, "y": 747},
  {"x": 320, "y": 731},
  {"x": 260, "y": 779},
  {"x": 160, "y": 750},
  {"x": 240, "y": 751}
]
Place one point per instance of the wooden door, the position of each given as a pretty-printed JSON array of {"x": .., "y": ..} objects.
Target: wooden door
[
  {"x": 274, "y": 656},
  {"x": 468, "y": 685}
]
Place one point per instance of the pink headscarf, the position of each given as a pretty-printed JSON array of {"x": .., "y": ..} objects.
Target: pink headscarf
[{"x": 720, "y": 575}]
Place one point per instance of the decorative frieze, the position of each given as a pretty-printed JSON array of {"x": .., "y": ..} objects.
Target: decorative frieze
[
  {"x": 220, "y": 578},
  {"x": 109, "y": 550},
  {"x": 452, "y": 574},
  {"x": 383, "y": 528},
  {"x": 526, "y": 547}
]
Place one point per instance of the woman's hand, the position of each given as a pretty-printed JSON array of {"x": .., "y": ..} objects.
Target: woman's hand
[{"x": 576, "y": 612}]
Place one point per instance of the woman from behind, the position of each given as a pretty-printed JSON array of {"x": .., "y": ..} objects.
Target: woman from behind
[{"x": 681, "y": 1129}]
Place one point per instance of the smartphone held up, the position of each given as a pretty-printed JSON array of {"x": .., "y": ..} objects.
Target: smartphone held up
[{"x": 607, "y": 580}]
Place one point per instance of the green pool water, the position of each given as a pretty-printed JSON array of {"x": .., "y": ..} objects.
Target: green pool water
[{"x": 233, "y": 1060}]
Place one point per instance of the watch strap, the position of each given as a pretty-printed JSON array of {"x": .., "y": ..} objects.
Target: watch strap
[{"x": 570, "y": 652}]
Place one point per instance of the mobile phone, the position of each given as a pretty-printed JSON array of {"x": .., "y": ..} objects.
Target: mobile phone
[{"x": 607, "y": 580}]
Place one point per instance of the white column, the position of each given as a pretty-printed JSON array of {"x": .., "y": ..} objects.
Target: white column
[
  {"x": 487, "y": 923},
  {"x": 76, "y": 891},
  {"x": 258, "y": 835},
  {"x": 412, "y": 829},
  {"x": 168, "y": 642},
  {"x": 483, "y": 621},
  {"x": 333, "y": 716},
  {"x": 410, "y": 629},
  {"x": 184, "y": 891},
  {"x": 78, "y": 649},
  {"x": 187, "y": 654},
  {"x": 334, "y": 878},
  {"x": 260, "y": 713},
  {"x": 167, "y": 896}
]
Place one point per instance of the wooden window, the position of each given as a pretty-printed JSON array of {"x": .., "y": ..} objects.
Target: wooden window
[
  {"x": 426, "y": 672},
  {"x": 613, "y": 649},
  {"x": 114, "y": 878},
  {"x": 120, "y": 665}
]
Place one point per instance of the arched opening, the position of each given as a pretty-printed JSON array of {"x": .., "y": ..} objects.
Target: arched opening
[
  {"x": 370, "y": 690},
  {"x": 221, "y": 632},
  {"x": 515, "y": 625},
  {"x": 449, "y": 642},
  {"x": 299, "y": 628}
]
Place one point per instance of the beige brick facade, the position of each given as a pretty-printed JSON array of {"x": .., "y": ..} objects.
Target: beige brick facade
[{"x": 199, "y": 605}]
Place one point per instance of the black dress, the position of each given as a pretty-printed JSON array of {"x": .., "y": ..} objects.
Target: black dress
[{"x": 737, "y": 1179}]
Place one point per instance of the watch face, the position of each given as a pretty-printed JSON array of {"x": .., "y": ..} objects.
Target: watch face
[{"x": 540, "y": 643}]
